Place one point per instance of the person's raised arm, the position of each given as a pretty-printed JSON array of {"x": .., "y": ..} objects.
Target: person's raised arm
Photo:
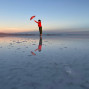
[
  {"x": 35, "y": 21},
  {"x": 36, "y": 49}
]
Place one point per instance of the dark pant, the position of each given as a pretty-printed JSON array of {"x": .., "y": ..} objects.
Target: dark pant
[{"x": 40, "y": 30}]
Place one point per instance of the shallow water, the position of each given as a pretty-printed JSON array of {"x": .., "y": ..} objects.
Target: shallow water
[{"x": 50, "y": 62}]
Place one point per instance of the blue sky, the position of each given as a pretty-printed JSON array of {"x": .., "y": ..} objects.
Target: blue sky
[{"x": 55, "y": 14}]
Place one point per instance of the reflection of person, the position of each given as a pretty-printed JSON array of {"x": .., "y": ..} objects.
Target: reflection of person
[
  {"x": 39, "y": 47},
  {"x": 40, "y": 26}
]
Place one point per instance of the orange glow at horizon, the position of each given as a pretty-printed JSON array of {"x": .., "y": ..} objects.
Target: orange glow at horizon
[{"x": 15, "y": 30}]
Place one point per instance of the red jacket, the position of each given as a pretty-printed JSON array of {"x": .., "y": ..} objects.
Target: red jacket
[{"x": 39, "y": 23}]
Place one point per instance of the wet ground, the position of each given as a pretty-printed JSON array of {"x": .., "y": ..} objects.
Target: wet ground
[{"x": 49, "y": 62}]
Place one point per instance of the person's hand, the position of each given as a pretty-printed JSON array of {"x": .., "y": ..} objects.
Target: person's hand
[
  {"x": 35, "y": 21},
  {"x": 33, "y": 53},
  {"x": 36, "y": 49}
]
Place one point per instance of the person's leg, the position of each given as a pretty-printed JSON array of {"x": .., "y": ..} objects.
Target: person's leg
[{"x": 40, "y": 30}]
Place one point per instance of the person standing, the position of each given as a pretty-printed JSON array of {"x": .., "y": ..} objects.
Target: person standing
[{"x": 40, "y": 26}]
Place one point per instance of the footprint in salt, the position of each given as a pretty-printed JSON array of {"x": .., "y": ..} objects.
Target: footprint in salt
[
  {"x": 29, "y": 55},
  {"x": 11, "y": 44},
  {"x": 26, "y": 47},
  {"x": 65, "y": 47},
  {"x": 1, "y": 47},
  {"x": 14, "y": 41},
  {"x": 61, "y": 48},
  {"x": 24, "y": 41},
  {"x": 23, "y": 51},
  {"x": 68, "y": 69},
  {"x": 33, "y": 44},
  {"x": 18, "y": 42},
  {"x": 45, "y": 41},
  {"x": 18, "y": 48}
]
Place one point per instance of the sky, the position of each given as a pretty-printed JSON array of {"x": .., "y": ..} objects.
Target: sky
[{"x": 60, "y": 15}]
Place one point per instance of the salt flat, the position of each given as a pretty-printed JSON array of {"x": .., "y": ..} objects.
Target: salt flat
[{"x": 60, "y": 62}]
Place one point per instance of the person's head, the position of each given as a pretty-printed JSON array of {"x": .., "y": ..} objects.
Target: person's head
[{"x": 39, "y": 20}]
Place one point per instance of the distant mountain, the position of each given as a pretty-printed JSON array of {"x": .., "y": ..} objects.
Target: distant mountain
[
  {"x": 2, "y": 33},
  {"x": 56, "y": 32},
  {"x": 46, "y": 33}
]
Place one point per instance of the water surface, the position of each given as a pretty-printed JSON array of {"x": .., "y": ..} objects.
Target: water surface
[{"x": 50, "y": 62}]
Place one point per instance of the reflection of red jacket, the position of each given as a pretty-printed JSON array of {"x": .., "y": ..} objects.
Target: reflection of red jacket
[
  {"x": 39, "y": 47},
  {"x": 39, "y": 23}
]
